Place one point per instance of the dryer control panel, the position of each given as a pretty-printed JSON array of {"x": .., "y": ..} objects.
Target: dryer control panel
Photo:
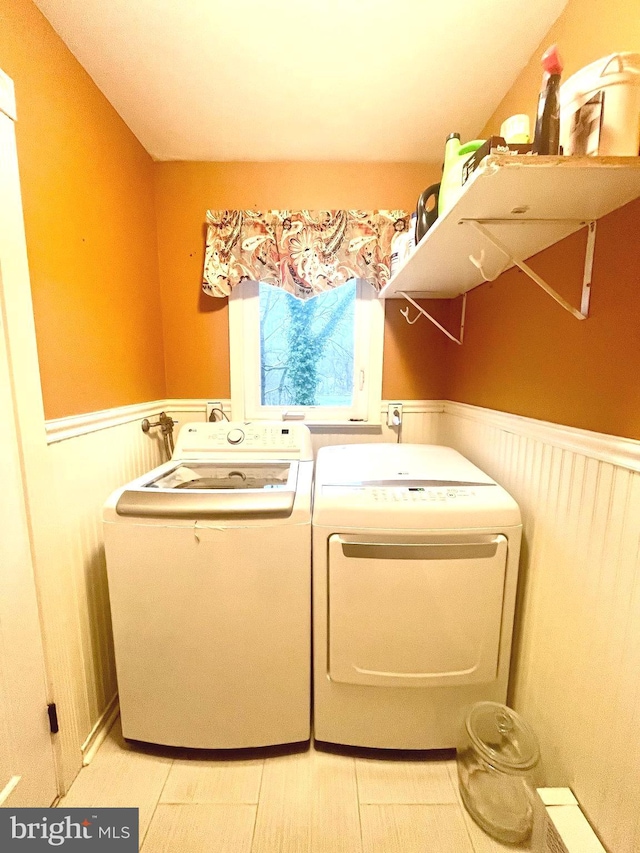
[
  {"x": 407, "y": 494},
  {"x": 418, "y": 493},
  {"x": 413, "y": 505}
]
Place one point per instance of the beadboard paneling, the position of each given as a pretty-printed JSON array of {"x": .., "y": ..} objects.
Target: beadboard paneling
[
  {"x": 576, "y": 666},
  {"x": 86, "y": 469}
]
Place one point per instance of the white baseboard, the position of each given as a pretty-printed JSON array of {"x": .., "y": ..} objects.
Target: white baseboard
[{"x": 99, "y": 732}]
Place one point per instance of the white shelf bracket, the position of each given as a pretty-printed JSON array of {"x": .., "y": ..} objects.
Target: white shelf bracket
[
  {"x": 581, "y": 314},
  {"x": 588, "y": 268},
  {"x": 405, "y": 314}
]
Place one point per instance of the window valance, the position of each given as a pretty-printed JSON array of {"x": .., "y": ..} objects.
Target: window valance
[{"x": 302, "y": 251}]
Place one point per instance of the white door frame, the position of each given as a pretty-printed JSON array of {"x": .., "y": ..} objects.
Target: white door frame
[
  {"x": 27, "y": 768},
  {"x": 61, "y": 645}
]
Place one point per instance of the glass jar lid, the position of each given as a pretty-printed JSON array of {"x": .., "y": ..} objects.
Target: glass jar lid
[{"x": 502, "y": 737}]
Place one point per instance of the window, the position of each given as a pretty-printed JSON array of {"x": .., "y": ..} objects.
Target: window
[{"x": 318, "y": 360}]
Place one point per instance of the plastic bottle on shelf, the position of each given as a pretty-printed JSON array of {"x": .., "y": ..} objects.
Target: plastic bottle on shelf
[
  {"x": 546, "y": 138},
  {"x": 399, "y": 250},
  {"x": 455, "y": 156},
  {"x": 451, "y": 149},
  {"x": 412, "y": 233},
  {"x": 516, "y": 130}
]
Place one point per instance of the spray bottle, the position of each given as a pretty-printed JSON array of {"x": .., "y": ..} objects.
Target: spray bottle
[
  {"x": 547, "y": 135},
  {"x": 399, "y": 246}
]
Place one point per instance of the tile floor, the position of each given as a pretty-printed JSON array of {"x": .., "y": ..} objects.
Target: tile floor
[{"x": 310, "y": 802}]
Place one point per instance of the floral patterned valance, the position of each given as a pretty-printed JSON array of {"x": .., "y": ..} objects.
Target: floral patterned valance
[{"x": 303, "y": 251}]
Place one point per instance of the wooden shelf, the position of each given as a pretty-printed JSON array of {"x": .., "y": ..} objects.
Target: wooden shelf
[{"x": 528, "y": 203}]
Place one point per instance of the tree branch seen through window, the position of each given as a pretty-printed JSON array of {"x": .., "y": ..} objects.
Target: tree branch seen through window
[{"x": 307, "y": 348}]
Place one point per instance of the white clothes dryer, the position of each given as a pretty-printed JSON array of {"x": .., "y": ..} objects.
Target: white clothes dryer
[
  {"x": 415, "y": 565},
  {"x": 209, "y": 568}
]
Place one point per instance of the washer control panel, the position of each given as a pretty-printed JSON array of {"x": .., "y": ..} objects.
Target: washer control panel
[
  {"x": 255, "y": 436},
  {"x": 284, "y": 439}
]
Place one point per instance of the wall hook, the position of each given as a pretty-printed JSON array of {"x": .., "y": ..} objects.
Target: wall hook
[
  {"x": 405, "y": 314},
  {"x": 479, "y": 264}
]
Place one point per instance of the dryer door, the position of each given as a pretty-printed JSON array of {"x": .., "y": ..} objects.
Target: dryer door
[{"x": 423, "y": 612}]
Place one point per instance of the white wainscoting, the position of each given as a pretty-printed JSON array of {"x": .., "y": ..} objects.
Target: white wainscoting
[
  {"x": 576, "y": 669},
  {"x": 577, "y": 652},
  {"x": 89, "y": 459}
]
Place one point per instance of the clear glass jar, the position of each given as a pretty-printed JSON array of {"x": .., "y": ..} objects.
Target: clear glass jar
[{"x": 495, "y": 759}]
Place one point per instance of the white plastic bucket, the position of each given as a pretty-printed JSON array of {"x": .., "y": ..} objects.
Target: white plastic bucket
[{"x": 600, "y": 108}]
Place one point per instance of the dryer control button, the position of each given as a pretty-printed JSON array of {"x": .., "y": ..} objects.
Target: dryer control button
[{"x": 235, "y": 436}]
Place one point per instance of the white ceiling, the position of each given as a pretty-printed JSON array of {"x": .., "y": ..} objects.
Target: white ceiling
[{"x": 302, "y": 79}]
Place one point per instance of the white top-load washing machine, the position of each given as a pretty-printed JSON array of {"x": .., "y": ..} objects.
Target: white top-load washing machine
[
  {"x": 415, "y": 564},
  {"x": 209, "y": 568}
]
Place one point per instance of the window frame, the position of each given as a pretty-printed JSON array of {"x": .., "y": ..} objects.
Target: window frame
[{"x": 244, "y": 362}]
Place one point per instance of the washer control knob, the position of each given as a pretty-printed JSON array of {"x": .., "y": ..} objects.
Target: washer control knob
[{"x": 235, "y": 436}]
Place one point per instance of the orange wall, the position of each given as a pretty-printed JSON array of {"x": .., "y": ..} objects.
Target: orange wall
[
  {"x": 87, "y": 188},
  {"x": 524, "y": 354},
  {"x": 89, "y": 215},
  {"x": 196, "y": 326}
]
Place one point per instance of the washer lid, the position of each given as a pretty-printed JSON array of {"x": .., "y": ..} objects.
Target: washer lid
[
  {"x": 204, "y": 489},
  {"x": 216, "y": 476},
  {"x": 502, "y": 737}
]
